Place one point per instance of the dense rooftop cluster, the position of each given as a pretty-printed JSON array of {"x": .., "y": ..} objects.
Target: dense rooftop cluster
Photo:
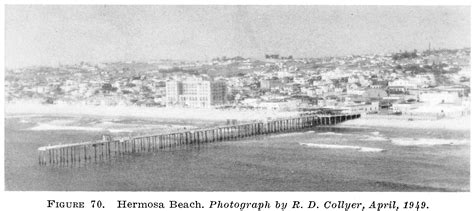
[{"x": 272, "y": 83}]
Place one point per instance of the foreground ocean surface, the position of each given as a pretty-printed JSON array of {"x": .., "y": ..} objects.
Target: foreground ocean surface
[{"x": 338, "y": 158}]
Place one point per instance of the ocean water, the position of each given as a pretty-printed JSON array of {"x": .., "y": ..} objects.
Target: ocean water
[{"x": 336, "y": 158}]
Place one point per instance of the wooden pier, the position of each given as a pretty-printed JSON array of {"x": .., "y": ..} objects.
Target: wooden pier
[{"x": 110, "y": 148}]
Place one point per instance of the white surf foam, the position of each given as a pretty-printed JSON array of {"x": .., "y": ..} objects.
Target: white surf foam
[
  {"x": 376, "y": 138},
  {"x": 376, "y": 133},
  {"x": 45, "y": 127},
  {"x": 370, "y": 149},
  {"x": 351, "y": 126},
  {"x": 332, "y": 146},
  {"x": 24, "y": 121},
  {"x": 427, "y": 142},
  {"x": 331, "y": 133},
  {"x": 288, "y": 134},
  {"x": 12, "y": 116},
  {"x": 120, "y": 130}
]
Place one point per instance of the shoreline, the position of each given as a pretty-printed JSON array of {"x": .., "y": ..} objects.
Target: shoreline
[
  {"x": 162, "y": 113},
  {"x": 461, "y": 123},
  {"x": 12, "y": 110}
]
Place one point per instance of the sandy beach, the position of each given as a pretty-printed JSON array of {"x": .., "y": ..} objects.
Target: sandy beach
[
  {"x": 15, "y": 109},
  {"x": 21, "y": 109}
]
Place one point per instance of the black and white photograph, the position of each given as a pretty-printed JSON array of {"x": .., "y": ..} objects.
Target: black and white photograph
[{"x": 237, "y": 98}]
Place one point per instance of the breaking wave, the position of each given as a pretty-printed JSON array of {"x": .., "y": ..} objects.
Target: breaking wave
[
  {"x": 376, "y": 138},
  {"x": 120, "y": 130},
  {"x": 427, "y": 142},
  {"x": 291, "y": 134},
  {"x": 331, "y": 133},
  {"x": 24, "y": 121},
  {"x": 45, "y": 127},
  {"x": 376, "y": 133},
  {"x": 332, "y": 146}
]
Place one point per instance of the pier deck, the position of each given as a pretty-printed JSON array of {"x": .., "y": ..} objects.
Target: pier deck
[{"x": 108, "y": 148}]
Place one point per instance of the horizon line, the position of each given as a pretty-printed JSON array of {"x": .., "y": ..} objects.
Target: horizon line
[{"x": 189, "y": 60}]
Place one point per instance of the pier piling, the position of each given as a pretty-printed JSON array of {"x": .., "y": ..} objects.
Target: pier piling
[{"x": 109, "y": 148}]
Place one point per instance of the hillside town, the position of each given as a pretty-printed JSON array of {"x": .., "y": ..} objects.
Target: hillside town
[{"x": 432, "y": 83}]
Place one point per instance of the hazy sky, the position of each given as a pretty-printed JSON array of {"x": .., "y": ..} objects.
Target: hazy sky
[{"x": 48, "y": 35}]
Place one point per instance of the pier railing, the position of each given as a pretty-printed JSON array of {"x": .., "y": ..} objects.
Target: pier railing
[{"x": 110, "y": 148}]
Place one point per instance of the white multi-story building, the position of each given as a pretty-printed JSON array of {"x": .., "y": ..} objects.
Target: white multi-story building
[
  {"x": 195, "y": 93},
  {"x": 403, "y": 83}
]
